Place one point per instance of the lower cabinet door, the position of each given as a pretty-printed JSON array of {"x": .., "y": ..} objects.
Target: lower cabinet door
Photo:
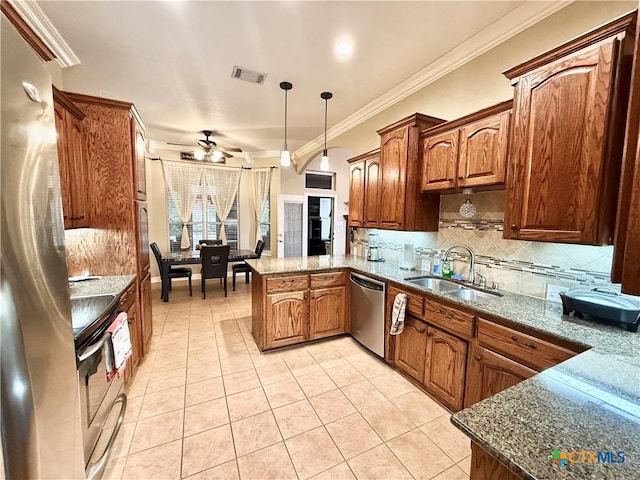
[
  {"x": 490, "y": 373},
  {"x": 327, "y": 312},
  {"x": 287, "y": 318},
  {"x": 410, "y": 348},
  {"x": 136, "y": 343},
  {"x": 445, "y": 367},
  {"x": 147, "y": 316}
]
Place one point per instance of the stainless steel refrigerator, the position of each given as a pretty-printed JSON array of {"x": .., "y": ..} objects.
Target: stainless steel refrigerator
[{"x": 41, "y": 428}]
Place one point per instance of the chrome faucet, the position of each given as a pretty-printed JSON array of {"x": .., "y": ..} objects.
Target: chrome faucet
[{"x": 472, "y": 263}]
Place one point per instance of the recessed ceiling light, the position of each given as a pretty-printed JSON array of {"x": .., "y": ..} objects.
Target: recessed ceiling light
[{"x": 343, "y": 48}]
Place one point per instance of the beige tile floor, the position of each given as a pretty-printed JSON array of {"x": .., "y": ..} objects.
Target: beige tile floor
[{"x": 206, "y": 404}]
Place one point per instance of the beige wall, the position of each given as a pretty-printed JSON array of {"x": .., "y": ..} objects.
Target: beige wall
[
  {"x": 480, "y": 83},
  {"x": 292, "y": 183}
]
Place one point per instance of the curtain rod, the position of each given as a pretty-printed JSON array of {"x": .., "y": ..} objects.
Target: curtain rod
[{"x": 154, "y": 159}]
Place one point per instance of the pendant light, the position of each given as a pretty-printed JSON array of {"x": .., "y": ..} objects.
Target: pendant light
[
  {"x": 285, "y": 156},
  {"x": 324, "y": 161}
]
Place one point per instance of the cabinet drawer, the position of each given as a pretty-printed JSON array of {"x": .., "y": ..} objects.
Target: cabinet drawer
[
  {"x": 128, "y": 297},
  {"x": 529, "y": 350},
  {"x": 327, "y": 280},
  {"x": 414, "y": 302},
  {"x": 448, "y": 318},
  {"x": 287, "y": 284}
]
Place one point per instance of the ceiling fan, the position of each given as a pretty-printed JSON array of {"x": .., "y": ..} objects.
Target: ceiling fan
[{"x": 209, "y": 150}]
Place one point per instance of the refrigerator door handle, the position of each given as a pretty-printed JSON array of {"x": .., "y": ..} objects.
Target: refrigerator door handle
[
  {"x": 93, "y": 348},
  {"x": 95, "y": 469}
]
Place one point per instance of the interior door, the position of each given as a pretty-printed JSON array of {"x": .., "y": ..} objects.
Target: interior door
[{"x": 292, "y": 228}]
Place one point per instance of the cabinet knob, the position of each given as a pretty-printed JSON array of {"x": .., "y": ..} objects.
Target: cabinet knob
[
  {"x": 460, "y": 177},
  {"x": 514, "y": 226},
  {"x": 478, "y": 358}
]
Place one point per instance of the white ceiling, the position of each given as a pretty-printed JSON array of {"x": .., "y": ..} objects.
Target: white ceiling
[{"x": 173, "y": 59}]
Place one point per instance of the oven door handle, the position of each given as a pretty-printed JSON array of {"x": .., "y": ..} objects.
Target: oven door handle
[
  {"x": 94, "y": 470},
  {"x": 93, "y": 348}
]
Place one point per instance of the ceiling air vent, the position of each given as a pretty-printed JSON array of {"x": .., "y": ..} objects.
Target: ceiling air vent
[{"x": 247, "y": 75}]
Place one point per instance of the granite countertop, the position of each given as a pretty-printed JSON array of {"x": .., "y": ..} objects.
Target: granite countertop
[
  {"x": 101, "y": 286},
  {"x": 588, "y": 403}
]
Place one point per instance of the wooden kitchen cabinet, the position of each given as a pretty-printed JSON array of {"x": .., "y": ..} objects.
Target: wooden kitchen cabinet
[
  {"x": 146, "y": 314},
  {"x": 372, "y": 190},
  {"x": 327, "y": 312},
  {"x": 626, "y": 261},
  {"x": 72, "y": 161},
  {"x": 441, "y": 157},
  {"x": 142, "y": 237},
  {"x": 287, "y": 318},
  {"x": 489, "y": 373},
  {"x": 445, "y": 367},
  {"x": 139, "y": 166},
  {"x": 136, "y": 342},
  {"x": 411, "y": 348},
  {"x": 468, "y": 152},
  {"x": 401, "y": 206},
  {"x": 364, "y": 174},
  {"x": 291, "y": 309},
  {"x": 356, "y": 194},
  {"x": 566, "y": 143}
]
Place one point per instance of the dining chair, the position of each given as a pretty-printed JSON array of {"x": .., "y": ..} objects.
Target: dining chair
[
  {"x": 210, "y": 242},
  {"x": 173, "y": 272},
  {"x": 244, "y": 267},
  {"x": 214, "y": 261}
]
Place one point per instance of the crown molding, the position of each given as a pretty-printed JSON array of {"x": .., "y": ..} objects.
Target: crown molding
[
  {"x": 507, "y": 26},
  {"x": 37, "y": 20}
]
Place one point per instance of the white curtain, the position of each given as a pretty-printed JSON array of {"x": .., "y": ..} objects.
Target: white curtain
[
  {"x": 183, "y": 180},
  {"x": 225, "y": 182},
  {"x": 261, "y": 181}
]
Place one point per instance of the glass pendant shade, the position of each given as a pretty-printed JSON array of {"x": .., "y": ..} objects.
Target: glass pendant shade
[
  {"x": 324, "y": 162},
  {"x": 198, "y": 154},
  {"x": 285, "y": 158}
]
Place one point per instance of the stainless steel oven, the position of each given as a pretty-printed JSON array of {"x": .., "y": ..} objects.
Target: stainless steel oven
[{"x": 102, "y": 401}]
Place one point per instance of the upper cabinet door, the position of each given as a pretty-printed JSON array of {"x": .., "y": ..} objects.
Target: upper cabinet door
[
  {"x": 482, "y": 158},
  {"x": 371, "y": 191},
  {"x": 139, "y": 163},
  {"x": 76, "y": 149},
  {"x": 63, "y": 161},
  {"x": 393, "y": 159},
  {"x": 556, "y": 191},
  {"x": 356, "y": 194},
  {"x": 440, "y": 154}
]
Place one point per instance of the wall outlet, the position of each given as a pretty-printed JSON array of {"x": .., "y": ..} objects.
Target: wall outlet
[{"x": 553, "y": 293}]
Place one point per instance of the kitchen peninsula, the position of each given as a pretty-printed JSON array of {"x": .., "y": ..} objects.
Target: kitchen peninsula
[{"x": 586, "y": 403}]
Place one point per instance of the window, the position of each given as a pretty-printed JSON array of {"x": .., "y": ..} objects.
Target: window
[
  {"x": 204, "y": 222},
  {"x": 320, "y": 180},
  {"x": 265, "y": 221}
]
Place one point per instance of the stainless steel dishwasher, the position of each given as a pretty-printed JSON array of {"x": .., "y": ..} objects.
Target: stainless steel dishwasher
[{"x": 367, "y": 312}]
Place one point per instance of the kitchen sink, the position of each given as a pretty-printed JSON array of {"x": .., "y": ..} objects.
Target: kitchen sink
[
  {"x": 435, "y": 284},
  {"x": 472, "y": 295}
]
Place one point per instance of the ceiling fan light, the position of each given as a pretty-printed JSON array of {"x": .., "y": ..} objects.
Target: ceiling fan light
[
  {"x": 216, "y": 156},
  {"x": 324, "y": 162},
  {"x": 285, "y": 158},
  {"x": 198, "y": 154}
]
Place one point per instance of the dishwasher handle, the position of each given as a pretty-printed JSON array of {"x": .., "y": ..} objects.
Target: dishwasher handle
[{"x": 366, "y": 283}]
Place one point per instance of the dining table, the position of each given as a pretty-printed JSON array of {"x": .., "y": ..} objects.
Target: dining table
[{"x": 192, "y": 257}]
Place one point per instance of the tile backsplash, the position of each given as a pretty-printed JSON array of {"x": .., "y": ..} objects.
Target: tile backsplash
[{"x": 518, "y": 266}]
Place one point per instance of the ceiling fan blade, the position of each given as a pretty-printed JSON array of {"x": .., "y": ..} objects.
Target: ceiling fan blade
[
  {"x": 231, "y": 149},
  {"x": 179, "y": 144},
  {"x": 226, "y": 155}
]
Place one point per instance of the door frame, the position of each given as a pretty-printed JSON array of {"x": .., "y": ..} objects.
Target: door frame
[
  {"x": 333, "y": 216},
  {"x": 282, "y": 198}
]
